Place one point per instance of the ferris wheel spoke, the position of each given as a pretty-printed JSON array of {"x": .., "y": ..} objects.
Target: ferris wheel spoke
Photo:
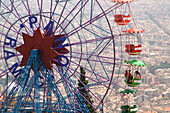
[
  {"x": 25, "y": 6},
  {"x": 91, "y": 72},
  {"x": 29, "y": 12},
  {"x": 17, "y": 41},
  {"x": 81, "y": 74},
  {"x": 41, "y": 20},
  {"x": 91, "y": 31},
  {"x": 5, "y": 7},
  {"x": 65, "y": 78},
  {"x": 15, "y": 28},
  {"x": 81, "y": 13},
  {"x": 4, "y": 72},
  {"x": 61, "y": 14},
  {"x": 18, "y": 16},
  {"x": 105, "y": 70},
  {"x": 94, "y": 79},
  {"x": 93, "y": 20},
  {"x": 101, "y": 28},
  {"x": 95, "y": 33},
  {"x": 84, "y": 95},
  {"x": 96, "y": 26},
  {"x": 93, "y": 69},
  {"x": 8, "y": 28},
  {"x": 67, "y": 15},
  {"x": 90, "y": 41},
  {"x": 52, "y": 11},
  {"x": 97, "y": 56},
  {"x": 70, "y": 21},
  {"x": 85, "y": 86},
  {"x": 93, "y": 60},
  {"x": 40, "y": 4},
  {"x": 64, "y": 7},
  {"x": 100, "y": 59},
  {"x": 28, "y": 8},
  {"x": 97, "y": 49},
  {"x": 100, "y": 47}
]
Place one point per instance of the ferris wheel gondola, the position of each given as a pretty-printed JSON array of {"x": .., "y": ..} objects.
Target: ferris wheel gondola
[{"x": 133, "y": 46}]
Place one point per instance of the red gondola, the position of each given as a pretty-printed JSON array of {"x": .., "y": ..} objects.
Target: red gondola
[
  {"x": 133, "y": 46},
  {"x": 131, "y": 49},
  {"x": 123, "y": 15},
  {"x": 122, "y": 19}
]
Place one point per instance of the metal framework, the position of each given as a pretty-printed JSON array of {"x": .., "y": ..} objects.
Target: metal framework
[
  {"x": 25, "y": 90},
  {"x": 24, "y": 85}
]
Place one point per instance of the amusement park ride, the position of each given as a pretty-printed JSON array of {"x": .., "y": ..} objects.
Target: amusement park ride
[{"x": 44, "y": 44}]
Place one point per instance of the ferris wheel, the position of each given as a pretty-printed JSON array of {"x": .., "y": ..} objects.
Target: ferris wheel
[{"x": 67, "y": 55}]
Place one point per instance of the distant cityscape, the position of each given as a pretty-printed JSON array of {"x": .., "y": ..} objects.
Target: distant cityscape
[{"x": 153, "y": 17}]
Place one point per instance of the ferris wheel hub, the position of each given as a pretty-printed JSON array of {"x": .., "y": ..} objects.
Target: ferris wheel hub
[
  {"x": 35, "y": 52},
  {"x": 37, "y": 41}
]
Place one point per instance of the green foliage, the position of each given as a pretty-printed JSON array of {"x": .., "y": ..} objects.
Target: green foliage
[
  {"x": 162, "y": 65},
  {"x": 84, "y": 91}
]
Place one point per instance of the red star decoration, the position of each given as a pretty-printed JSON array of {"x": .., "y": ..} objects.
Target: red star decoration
[
  {"x": 56, "y": 44},
  {"x": 37, "y": 41}
]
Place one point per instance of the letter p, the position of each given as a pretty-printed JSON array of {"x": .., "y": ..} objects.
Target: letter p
[{"x": 32, "y": 20}]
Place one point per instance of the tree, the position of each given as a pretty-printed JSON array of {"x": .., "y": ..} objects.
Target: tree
[{"x": 84, "y": 91}]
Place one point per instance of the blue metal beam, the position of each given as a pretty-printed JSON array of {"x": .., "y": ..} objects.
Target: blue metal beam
[{"x": 24, "y": 86}]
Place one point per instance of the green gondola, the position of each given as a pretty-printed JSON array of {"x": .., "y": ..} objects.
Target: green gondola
[
  {"x": 127, "y": 91},
  {"x": 135, "y": 62},
  {"x": 128, "y": 109},
  {"x": 134, "y": 83}
]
